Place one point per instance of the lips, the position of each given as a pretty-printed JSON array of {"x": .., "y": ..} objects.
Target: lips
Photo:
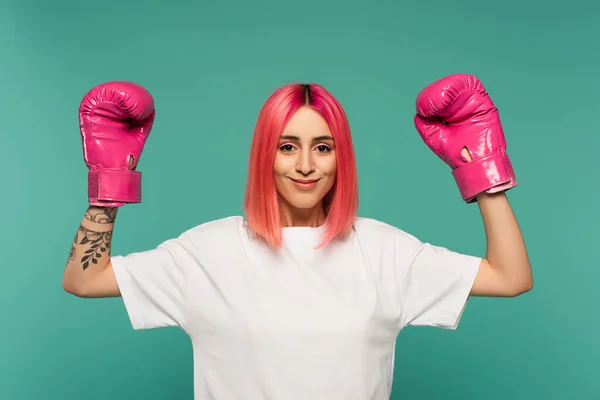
[
  {"x": 304, "y": 184},
  {"x": 302, "y": 181}
]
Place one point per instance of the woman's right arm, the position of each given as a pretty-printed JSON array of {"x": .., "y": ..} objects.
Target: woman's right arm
[
  {"x": 88, "y": 272},
  {"x": 115, "y": 120}
]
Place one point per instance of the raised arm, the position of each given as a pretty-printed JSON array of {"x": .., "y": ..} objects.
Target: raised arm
[
  {"x": 505, "y": 271},
  {"x": 115, "y": 120},
  {"x": 88, "y": 272},
  {"x": 457, "y": 119}
]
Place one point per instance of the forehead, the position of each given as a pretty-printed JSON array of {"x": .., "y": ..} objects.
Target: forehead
[{"x": 307, "y": 123}]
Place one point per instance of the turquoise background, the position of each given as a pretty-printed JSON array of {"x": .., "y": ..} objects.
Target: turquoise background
[{"x": 210, "y": 66}]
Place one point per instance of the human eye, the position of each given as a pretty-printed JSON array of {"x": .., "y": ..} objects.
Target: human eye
[
  {"x": 323, "y": 148},
  {"x": 286, "y": 148}
]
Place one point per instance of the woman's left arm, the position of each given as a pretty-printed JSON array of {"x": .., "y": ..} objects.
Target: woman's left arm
[
  {"x": 505, "y": 271},
  {"x": 458, "y": 120}
]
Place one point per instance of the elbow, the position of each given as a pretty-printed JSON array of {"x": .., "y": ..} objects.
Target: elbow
[
  {"x": 71, "y": 288},
  {"x": 528, "y": 286},
  {"x": 522, "y": 287},
  {"x": 68, "y": 288}
]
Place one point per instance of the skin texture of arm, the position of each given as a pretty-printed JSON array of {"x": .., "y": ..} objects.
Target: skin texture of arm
[
  {"x": 505, "y": 271},
  {"x": 88, "y": 272}
]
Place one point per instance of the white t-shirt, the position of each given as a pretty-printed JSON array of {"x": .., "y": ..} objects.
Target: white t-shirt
[{"x": 294, "y": 323}]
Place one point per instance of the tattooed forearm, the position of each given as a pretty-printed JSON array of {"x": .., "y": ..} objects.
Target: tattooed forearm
[
  {"x": 89, "y": 256},
  {"x": 93, "y": 239},
  {"x": 73, "y": 249},
  {"x": 101, "y": 215},
  {"x": 96, "y": 244}
]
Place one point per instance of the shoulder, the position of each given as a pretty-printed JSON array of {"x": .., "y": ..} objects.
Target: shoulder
[
  {"x": 216, "y": 230},
  {"x": 220, "y": 224},
  {"x": 382, "y": 232}
]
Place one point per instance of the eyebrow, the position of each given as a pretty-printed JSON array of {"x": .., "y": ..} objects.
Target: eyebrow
[{"x": 316, "y": 139}]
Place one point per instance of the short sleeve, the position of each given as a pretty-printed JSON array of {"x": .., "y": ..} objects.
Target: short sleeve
[
  {"x": 435, "y": 283},
  {"x": 152, "y": 285}
]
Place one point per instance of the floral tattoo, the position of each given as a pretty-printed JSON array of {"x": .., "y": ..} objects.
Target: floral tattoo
[{"x": 98, "y": 242}]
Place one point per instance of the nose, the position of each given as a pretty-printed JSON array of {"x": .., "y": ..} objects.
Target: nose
[{"x": 304, "y": 164}]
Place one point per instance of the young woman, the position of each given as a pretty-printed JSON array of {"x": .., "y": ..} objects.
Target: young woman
[{"x": 299, "y": 299}]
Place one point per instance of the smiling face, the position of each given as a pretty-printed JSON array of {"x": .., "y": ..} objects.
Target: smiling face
[{"x": 304, "y": 168}]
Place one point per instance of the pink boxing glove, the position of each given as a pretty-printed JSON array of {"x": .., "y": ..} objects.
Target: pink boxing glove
[
  {"x": 115, "y": 119},
  {"x": 454, "y": 113}
]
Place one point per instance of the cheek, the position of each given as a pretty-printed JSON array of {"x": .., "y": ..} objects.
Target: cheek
[
  {"x": 329, "y": 166},
  {"x": 280, "y": 166}
]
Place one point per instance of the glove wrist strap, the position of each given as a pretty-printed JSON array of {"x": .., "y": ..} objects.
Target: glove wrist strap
[
  {"x": 114, "y": 187},
  {"x": 490, "y": 174}
]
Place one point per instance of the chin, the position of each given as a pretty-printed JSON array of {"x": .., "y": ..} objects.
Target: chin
[{"x": 297, "y": 202}]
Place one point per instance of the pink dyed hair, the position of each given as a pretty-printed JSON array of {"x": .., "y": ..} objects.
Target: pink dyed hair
[{"x": 261, "y": 201}]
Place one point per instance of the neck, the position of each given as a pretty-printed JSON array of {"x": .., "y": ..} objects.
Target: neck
[{"x": 311, "y": 217}]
